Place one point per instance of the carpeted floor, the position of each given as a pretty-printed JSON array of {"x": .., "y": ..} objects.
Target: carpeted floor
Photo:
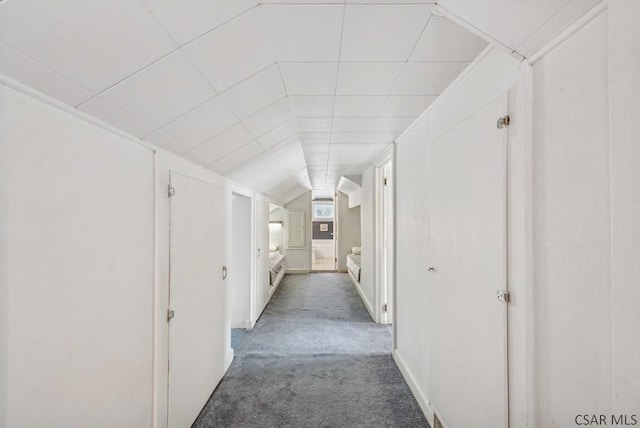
[{"x": 314, "y": 359}]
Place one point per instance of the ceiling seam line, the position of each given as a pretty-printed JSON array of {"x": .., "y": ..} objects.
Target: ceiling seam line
[{"x": 335, "y": 91}]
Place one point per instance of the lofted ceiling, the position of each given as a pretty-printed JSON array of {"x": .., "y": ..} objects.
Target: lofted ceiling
[{"x": 282, "y": 96}]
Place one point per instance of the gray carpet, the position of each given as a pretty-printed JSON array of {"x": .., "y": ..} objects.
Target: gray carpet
[{"x": 314, "y": 359}]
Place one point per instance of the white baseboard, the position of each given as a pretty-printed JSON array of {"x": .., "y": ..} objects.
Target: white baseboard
[
  {"x": 228, "y": 360},
  {"x": 362, "y": 296},
  {"x": 298, "y": 271},
  {"x": 241, "y": 324},
  {"x": 421, "y": 398}
]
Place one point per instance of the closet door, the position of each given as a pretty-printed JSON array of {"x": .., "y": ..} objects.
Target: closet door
[
  {"x": 196, "y": 296},
  {"x": 468, "y": 359}
]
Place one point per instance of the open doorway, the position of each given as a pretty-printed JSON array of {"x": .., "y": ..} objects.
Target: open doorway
[{"x": 323, "y": 211}]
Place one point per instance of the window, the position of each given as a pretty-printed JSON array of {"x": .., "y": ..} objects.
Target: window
[{"x": 323, "y": 211}]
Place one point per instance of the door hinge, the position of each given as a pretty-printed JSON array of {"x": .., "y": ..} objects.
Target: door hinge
[
  {"x": 503, "y": 122},
  {"x": 385, "y": 181},
  {"x": 503, "y": 295},
  {"x": 170, "y": 315},
  {"x": 385, "y": 307},
  {"x": 171, "y": 191}
]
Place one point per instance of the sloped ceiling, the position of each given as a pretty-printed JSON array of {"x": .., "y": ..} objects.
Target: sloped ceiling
[{"x": 280, "y": 95}]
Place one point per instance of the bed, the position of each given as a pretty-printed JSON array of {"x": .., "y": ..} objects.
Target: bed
[
  {"x": 277, "y": 267},
  {"x": 353, "y": 266}
]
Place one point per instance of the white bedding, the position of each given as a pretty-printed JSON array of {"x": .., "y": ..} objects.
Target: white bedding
[
  {"x": 276, "y": 264},
  {"x": 353, "y": 264}
]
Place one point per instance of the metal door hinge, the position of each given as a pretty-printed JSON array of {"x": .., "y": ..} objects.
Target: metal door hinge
[
  {"x": 170, "y": 315},
  {"x": 171, "y": 191},
  {"x": 385, "y": 181},
  {"x": 385, "y": 307},
  {"x": 503, "y": 295},
  {"x": 503, "y": 122}
]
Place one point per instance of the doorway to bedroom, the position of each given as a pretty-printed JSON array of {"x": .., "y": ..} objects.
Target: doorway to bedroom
[{"x": 324, "y": 232}]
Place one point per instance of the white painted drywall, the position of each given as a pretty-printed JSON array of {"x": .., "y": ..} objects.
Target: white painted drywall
[
  {"x": 348, "y": 229},
  {"x": 487, "y": 78},
  {"x": 4, "y": 272},
  {"x": 241, "y": 255},
  {"x": 80, "y": 244},
  {"x": 573, "y": 228},
  {"x": 299, "y": 259},
  {"x": 585, "y": 228},
  {"x": 367, "y": 224},
  {"x": 624, "y": 87}
]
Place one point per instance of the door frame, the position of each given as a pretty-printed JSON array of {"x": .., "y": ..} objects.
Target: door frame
[{"x": 381, "y": 275}]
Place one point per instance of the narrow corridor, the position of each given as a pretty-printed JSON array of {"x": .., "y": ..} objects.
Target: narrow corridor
[{"x": 314, "y": 359}]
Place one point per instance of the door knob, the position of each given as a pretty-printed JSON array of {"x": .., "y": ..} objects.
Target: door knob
[
  {"x": 430, "y": 269},
  {"x": 225, "y": 272}
]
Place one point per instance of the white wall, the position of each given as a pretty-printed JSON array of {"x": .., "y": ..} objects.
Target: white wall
[
  {"x": 574, "y": 207},
  {"x": 367, "y": 224},
  {"x": 624, "y": 110},
  {"x": 488, "y": 77},
  {"x": 299, "y": 259},
  {"x": 348, "y": 229},
  {"x": 262, "y": 288},
  {"x": 240, "y": 268},
  {"x": 80, "y": 242},
  {"x": 84, "y": 224},
  {"x": 585, "y": 230}
]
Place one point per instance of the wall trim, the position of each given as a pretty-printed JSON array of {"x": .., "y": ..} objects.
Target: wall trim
[
  {"x": 297, "y": 271},
  {"x": 420, "y": 396},
  {"x": 356, "y": 284}
]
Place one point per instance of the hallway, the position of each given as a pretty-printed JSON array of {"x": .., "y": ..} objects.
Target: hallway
[{"x": 314, "y": 359}]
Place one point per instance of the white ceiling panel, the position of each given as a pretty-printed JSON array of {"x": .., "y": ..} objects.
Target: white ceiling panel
[
  {"x": 238, "y": 157},
  {"x": 515, "y": 21},
  {"x": 30, "y": 72},
  {"x": 349, "y": 137},
  {"x": 269, "y": 118},
  {"x": 372, "y": 78},
  {"x": 187, "y": 19},
  {"x": 392, "y": 124},
  {"x": 255, "y": 93},
  {"x": 93, "y": 43},
  {"x": 444, "y": 40},
  {"x": 352, "y": 124},
  {"x": 348, "y": 154},
  {"x": 314, "y": 137},
  {"x": 307, "y": 106},
  {"x": 309, "y": 78},
  {"x": 233, "y": 51},
  {"x": 403, "y": 106},
  {"x": 223, "y": 144},
  {"x": 313, "y": 124},
  {"x": 349, "y": 106},
  {"x": 203, "y": 122},
  {"x": 316, "y": 154},
  {"x": 302, "y": 33},
  {"x": 427, "y": 78},
  {"x": 382, "y": 32},
  {"x": 198, "y": 157},
  {"x": 167, "y": 142},
  {"x": 163, "y": 91},
  {"x": 277, "y": 135},
  {"x": 116, "y": 116},
  {"x": 382, "y": 137}
]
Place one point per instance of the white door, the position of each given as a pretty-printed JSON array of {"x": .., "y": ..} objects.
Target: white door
[
  {"x": 262, "y": 257},
  {"x": 468, "y": 360},
  {"x": 196, "y": 295}
]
